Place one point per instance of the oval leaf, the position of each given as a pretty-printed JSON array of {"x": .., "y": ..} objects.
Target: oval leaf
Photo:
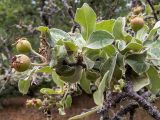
[
  {"x": 118, "y": 29},
  {"x": 106, "y": 25},
  {"x": 86, "y": 17},
  {"x": 23, "y": 86},
  {"x": 137, "y": 62},
  {"x": 98, "y": 95},
  {"x": 49, "y": 91},
  {"x": 100, "y": 39},
  {"x": 85, "y": 83},
  {"x": 45, "y": 69},
  {"x": 56, "y": 79},
  {"x": 154, "y": 79}
]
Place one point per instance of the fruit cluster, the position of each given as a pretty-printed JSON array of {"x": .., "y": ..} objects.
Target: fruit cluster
[
  {"x": 136, "y": 20},
  {"x": 22, "y": 62},
  {"x": 36, "y": 103}
]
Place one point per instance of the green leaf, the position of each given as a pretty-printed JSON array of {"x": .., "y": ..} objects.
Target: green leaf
[
  {"x": 98, "y": 95},
  {"x": 57, "y": 34},
  {"x": 49, "y": 91},
  {"x": 68, "y": 101},
  {"x": 88, "y": 62},
  {"x": 109, "y": 65},
  {"x": 93, "y": 54},
  {"x": 70, "y": 45},
  {"x": 56, "y": 79},
  {"x": 133, "y": 46},
  {"x": 110, "y": 50},
  {"x": 60, "y": 51},
  {"x": 79, "y": 40},
  {"x": 45, "y": 69},
  {"x": 85, "y": 83},
  {"x": 139, "y": 81},
  {"x": 121, "y": 61},
  {"x": 85, "y": 114},
  {"x": 154, "y": 77},
  {"x": 99, "y": 39},
  {"x": 74, "y": 77},
  {"x": 118, "y": 29},
  {"x": 121, "y": 45},
  {"x": 137, "y": 62},
  {"x": 23, "y": 86},
  {"x": 106, "y": 25},
  {"x": 127, "y": 37},
  {"x": 153, "y": 31},
  {"x": 86, "y": 17},
  {"x": 42, "y": 29},
  {"x": 142, "y": 33},
  {"x": 148, "y": 9},
  {"x": 117, "y": 74},
  {"x": 153, "y": 52}
]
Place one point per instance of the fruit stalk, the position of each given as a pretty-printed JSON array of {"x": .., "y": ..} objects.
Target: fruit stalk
[{"x": 43, "y": 59}]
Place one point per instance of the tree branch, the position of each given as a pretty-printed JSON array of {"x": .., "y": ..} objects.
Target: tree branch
[
  {"x": 152, "y": 110},
  {"x": 153, "y": 10},
  {"x": 125, "y": 110},
  {"x": 71, "y": 14}
]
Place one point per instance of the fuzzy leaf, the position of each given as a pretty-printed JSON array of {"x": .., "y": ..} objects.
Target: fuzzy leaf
[
  {"x": 110, "y": 50},
  {"x": 118, "y": 29},
  {"x": 86, "y": 17},
  {"x": 153, "y": 31},
  {"x": 49, "y": 91},
  {"x": 85, "y": 114},
  {"x": 154, "y": 79},
  {"x": 68, "y": 101},
  {"x": 42, "y": 29},
  {"x": 98, "y": 95},
  {"x": 23, "y": 86},
  {"x": 142, "y": 33},
  {"x": 137, "y": 62},
  {"x": 139, "y": 81},
  {"x": 85, "y": 83},
  {"x": 56, "y": 79},
  {"x": 136, "y": 47},
  {"x": 106, "y": 25},
  {"x": 45, "y": 69},
  {"x": 109, "y": 65},
  {"x": 100, "y": 39}
]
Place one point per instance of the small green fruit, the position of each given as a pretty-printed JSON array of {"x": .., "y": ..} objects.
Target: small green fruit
[
  {"x": 23, "y": 45},
  {"x": 137, "y": 23},
  {"x": 21, "y": 62},
  {"x": 137, "y": 10}
]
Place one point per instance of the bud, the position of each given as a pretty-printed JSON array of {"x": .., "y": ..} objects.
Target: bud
[{"x": 37, "y": 103}]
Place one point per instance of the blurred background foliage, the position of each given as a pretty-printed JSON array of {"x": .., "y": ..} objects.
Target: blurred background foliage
[{"x": 21, "y": 17}]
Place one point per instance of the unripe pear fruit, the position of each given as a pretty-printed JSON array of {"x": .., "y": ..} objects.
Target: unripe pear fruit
[
  {"x": 137, "y": 23},
  {"x": 23, "y": 45},
  {"x": 137, "y": 10},
  {"x": 21, "y": 62}
]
